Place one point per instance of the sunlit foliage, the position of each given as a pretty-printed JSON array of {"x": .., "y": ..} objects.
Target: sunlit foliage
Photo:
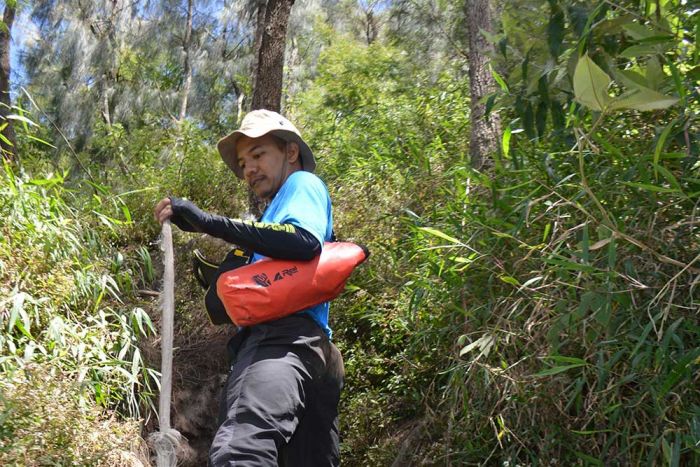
[{"x": 544, "y": 311}]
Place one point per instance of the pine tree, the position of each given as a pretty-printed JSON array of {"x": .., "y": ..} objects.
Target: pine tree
[
  {"x": 8, "y": 143},
  {"x": 485, "y": 130}
]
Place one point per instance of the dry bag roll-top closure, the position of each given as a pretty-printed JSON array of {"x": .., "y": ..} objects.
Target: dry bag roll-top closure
[{"x": 270, "y": 289}]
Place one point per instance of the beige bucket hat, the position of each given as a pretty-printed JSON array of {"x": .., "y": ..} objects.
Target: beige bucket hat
[{"x": 259, "y": 123}]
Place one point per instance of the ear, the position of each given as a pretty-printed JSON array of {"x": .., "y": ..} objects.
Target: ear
[{"x": 292, "y": 152}]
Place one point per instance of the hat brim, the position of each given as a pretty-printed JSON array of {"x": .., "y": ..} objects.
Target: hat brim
[{"x": 227, "y": 148}]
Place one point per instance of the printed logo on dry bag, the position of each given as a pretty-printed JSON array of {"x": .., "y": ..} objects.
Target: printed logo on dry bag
[
  {"x": 286, "y": 273},
  {"x": 262, "y": 280}
]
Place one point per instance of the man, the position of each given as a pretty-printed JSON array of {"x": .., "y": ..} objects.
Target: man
[{"x": 280, "y": 403}]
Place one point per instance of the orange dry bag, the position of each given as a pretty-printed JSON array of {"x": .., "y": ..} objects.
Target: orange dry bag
[{"x": 270, "y": 288}]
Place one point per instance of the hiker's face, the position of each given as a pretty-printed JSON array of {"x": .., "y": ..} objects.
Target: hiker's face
[{"x": 266, "y": 163}]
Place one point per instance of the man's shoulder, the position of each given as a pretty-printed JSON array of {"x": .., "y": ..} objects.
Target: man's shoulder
[
  {"x": 303, "y": 179},
  {"x": 302, "y": 176},
  {"x": 304, "y": 201}
]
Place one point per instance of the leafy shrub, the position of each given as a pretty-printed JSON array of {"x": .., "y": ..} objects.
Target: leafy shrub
[
  {"x": 146, "y": 164},
  {"x": 545, "y": 311},
  {"x": 63, "y": 312}
]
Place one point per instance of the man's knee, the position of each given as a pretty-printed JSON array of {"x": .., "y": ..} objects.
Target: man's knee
[
  {"x": 263, "y": 403},
  {"x": 272, "y": 386}
]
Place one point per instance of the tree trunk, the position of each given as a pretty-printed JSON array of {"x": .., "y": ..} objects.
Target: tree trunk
[
  {"x": 9, "y": 151},
  {"x": 106, "y": 34},
  {"x": 257, "y": 41},
  {"x": 269, "y": 70},
  {"x": 485, "y": 131},
  {"x": 291, "y": 61},
  {"x": 106, "y": 114},
  {"x": 371, "y": 28},
  {"x": 267, "y": 93},
  {"x": 188, "y": 65},
  {"x": 371, "y": 23}
]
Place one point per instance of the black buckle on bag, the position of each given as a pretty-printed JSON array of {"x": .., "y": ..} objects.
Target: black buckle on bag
[{"x": 207, "y": 273}]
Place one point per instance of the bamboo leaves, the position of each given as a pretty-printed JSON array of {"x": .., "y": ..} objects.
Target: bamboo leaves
[
  {"x": 483, "y": 344},
  {"x": 591, "y": 85},
  {"x": 643, "y": 99},
  {"x": 440, "y": 234}
]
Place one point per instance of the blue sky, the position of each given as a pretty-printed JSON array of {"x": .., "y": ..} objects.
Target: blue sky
[{"x": 24, "y": 34}]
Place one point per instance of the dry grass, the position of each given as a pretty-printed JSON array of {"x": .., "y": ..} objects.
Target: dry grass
[{"x": 47, "y": 420}]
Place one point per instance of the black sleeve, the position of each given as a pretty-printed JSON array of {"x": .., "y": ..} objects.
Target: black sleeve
[{"x": 282, "y": 241}]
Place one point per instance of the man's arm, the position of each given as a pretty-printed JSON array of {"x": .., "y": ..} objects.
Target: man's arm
[{"x": 282, "y": 241}]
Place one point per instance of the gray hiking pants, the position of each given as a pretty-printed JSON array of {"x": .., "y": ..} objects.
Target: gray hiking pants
[{"x": 280, "y": 403}]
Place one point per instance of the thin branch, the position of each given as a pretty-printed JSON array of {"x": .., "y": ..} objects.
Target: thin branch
[
  {"x": 670, "y": 281},
  {"x": 72, "y": 151},
  {"x": 165, "y": 107}
]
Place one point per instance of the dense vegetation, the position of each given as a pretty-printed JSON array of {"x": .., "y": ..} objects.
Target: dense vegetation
[{"x": 541, "y": 310}]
